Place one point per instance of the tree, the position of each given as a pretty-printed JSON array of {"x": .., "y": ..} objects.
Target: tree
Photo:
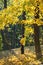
[
  {"x": 36, "y": 33},
  {"x": 32, "y": 17},
  {"x": 24, "y": 18},
  {"x": 2, "y": 31}
]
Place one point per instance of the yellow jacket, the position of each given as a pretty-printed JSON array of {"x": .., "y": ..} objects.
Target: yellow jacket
[{"x": 23, "y": 40}]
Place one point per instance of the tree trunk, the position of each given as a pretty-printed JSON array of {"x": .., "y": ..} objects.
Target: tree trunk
[
  {"x": 14, "y": 37},
  {"x": 37, "y": 43},
  {"x": 36, "y": 32},
  {"x": 24, "y": 18},
  {"x": 3, "y": 38}
]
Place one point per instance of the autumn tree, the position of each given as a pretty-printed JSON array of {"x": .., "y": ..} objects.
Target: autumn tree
[
  {"x": 33, "y": 17},
  {"x": 24, "y": 18}
]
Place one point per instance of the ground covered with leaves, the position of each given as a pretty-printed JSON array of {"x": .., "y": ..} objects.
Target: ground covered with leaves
[{"x": 29, "y": 58}]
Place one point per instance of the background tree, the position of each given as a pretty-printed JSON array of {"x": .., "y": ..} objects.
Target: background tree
[{"x": 36, "y": 33}]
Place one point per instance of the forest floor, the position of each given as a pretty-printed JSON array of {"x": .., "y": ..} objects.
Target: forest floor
[{"x": 14, "y": 57}]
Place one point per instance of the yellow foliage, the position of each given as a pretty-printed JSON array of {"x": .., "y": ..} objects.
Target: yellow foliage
[
  {"x": 11, "y": 13},
  {"x": 28, "y": 30}
]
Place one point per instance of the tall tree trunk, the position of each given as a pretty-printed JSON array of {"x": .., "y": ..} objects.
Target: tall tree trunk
[
  {"x": 37, "y": 43},
  {"x": 6, "y": 46},
  {"x": 14, "y": 37},
  {"x": 24, "y": 18},
  {"x": 36, "y": 33},
  {"x": 22, "y": 46},
  {"x": 3, "y": 39}
]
